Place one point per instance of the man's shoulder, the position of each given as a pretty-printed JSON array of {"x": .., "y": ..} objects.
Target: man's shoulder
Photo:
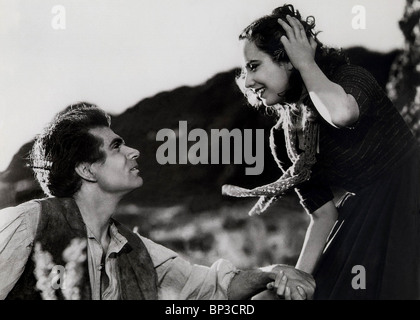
[
  {"x": 26, "y": 213},
  {"x": 32, "y": 206},
  {"x": 159, "y": 253}
]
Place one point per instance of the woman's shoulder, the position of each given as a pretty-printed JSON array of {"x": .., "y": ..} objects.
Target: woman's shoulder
[
  {"x": 352, "y": 70},
  {"x": 354, "y": 78}
]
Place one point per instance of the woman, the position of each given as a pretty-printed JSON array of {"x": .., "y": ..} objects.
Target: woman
[{"x": 336, "y": 130}]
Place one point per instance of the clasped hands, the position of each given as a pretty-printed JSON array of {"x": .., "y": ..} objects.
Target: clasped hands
[{"x": 290, "y": 283}]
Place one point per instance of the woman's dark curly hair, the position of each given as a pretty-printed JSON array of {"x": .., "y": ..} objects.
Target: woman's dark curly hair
[
  {"x": 266, "y": 32},
  {"x": 65, "y": 143}
]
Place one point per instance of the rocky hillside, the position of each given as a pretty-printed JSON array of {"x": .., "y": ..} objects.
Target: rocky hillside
[
  {"x": 215, "y": 104},
  {"x": 180, "y": 205}
]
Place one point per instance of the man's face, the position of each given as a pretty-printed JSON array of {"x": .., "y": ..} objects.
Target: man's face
[{"x": 119, "y": 172}]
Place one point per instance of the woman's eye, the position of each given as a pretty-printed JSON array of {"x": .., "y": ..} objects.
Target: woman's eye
[{"x": 252, "y": 67}]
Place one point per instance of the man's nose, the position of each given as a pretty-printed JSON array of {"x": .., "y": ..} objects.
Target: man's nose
[{"x": 133, "y": 153}]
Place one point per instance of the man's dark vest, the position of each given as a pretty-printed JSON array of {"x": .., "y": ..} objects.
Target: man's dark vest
[{"x": 60, "y": 222}]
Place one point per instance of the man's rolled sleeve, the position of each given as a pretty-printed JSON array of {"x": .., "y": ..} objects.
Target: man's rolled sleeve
[
  {"x": 178, "y": 279},
  {"x": 17, "y": 232}
]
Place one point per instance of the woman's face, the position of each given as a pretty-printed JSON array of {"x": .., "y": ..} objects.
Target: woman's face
[{"x": 268, "y": 79}]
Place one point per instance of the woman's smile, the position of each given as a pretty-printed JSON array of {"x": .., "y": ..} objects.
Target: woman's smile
[{"x": 267, "y": 79}]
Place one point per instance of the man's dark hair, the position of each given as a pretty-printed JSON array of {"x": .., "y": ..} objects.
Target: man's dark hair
[{"x": 65, "y": 143}]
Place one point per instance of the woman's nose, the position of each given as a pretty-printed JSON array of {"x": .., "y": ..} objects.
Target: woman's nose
[{"x": 249, "y": 81}]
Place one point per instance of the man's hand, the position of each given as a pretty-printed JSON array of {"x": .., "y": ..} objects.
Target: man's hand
[
  {"x": 291, "y": 283},
  {"x": 296, "y": 285}
]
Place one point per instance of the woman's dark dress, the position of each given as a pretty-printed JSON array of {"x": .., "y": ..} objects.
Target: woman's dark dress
[{"x": 377, "y": 162}]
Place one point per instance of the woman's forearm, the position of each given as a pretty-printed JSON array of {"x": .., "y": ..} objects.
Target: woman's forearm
[
  {"x": 332, "y": 102},
  {"x": 317, "y": 233}
]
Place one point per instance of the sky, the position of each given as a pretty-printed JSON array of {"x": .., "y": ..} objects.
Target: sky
[{"x": 115, "y": 53}]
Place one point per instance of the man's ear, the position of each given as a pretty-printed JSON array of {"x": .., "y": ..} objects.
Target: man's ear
[{"x": 84, "y": 171}]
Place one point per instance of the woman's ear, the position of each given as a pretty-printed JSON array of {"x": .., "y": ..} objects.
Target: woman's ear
[{"x": 84, "y": 170}]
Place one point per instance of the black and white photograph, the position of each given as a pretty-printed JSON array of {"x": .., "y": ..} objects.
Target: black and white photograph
[{"x": 212, "y": 150}]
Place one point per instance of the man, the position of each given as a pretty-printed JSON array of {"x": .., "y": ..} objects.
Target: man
[{"x": 67, "y": 246}]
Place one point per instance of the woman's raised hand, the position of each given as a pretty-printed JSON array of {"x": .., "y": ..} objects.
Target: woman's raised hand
[{"x": 300, "y": 49}]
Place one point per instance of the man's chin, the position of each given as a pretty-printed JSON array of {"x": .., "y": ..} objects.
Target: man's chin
[
  {"x": 140, "y": 182},
  {"x": 139, "y": 185}
]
